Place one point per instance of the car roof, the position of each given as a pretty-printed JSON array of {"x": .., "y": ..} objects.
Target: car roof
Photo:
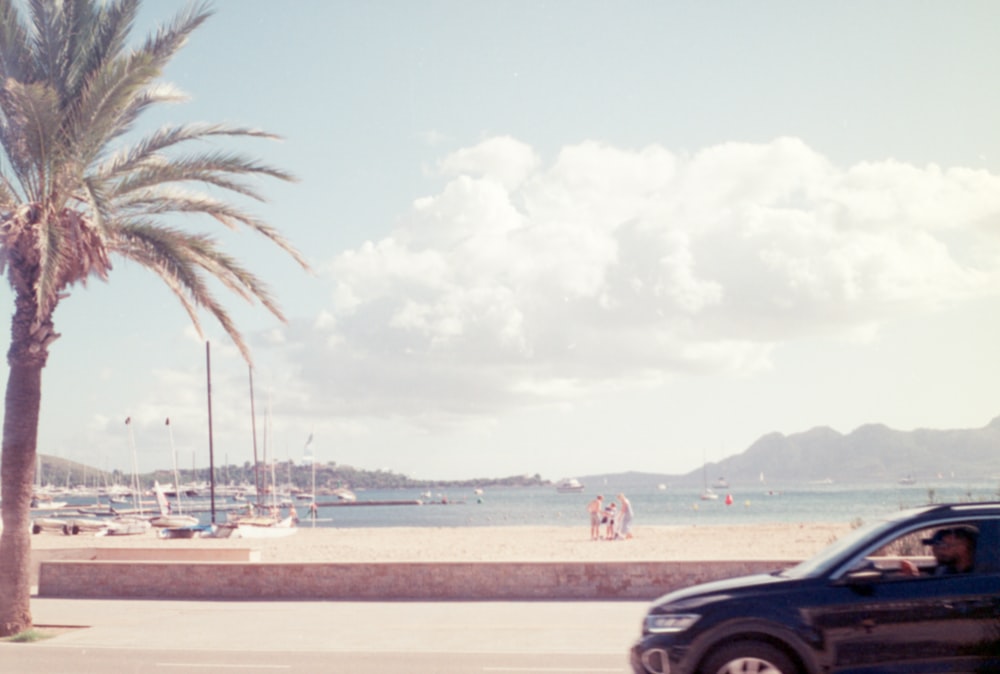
[{"x": 970, "y": 508}]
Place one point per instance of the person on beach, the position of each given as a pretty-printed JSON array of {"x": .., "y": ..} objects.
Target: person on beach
[
  {"x": 594, "y": 508},
  {"x": 313, "y": 510},
  {"x": 292, "y": 513},
  {"x": 609, "y": 519},
  {"x": 625, "y": 518}
]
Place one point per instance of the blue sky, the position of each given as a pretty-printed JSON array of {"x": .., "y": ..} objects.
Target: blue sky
[{"x": 571, "y": 237}]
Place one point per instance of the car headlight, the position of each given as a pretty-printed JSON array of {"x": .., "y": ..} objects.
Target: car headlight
[{"x": 670, "y": 622}]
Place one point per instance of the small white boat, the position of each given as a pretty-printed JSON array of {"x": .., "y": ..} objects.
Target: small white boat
[
  {"x": 69, "y": 527},
  {"x": 126, "y": 526},
  {"x": 49, "y": 524},
  {"x": 345, "y": 494},
  {"x": 569, "y": 485},
  {"x": 183, "y": 532},
  {"x": 708, "y": 494},
  {"x": 48, "y": 505},
  {"x": 174, "y": 521},
  {"x": 264, "y": 527},
  {"x": 167, "y": 518}
]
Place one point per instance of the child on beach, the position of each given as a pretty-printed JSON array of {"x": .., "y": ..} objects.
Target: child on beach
[{"x": 609, "y": 519}]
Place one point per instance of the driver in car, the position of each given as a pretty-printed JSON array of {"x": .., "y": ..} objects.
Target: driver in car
[{"x": 954, "y": 551}]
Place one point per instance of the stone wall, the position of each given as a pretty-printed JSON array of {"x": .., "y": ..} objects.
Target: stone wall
[
  {"x": 139, "y": 554},
  {"x": 229, "y": 580}
]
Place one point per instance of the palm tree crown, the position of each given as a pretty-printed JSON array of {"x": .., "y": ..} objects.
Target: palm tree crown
[{"x": 73, "y": 193}]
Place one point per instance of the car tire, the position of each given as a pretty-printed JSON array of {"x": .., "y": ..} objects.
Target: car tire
[{"x": 748, "y": 657}]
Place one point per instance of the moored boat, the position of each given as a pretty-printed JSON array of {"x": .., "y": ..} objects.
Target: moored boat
[
  {"x": 174, "y": 521},
  {"x": 569, "y": 485},
  {"x": 184, "y": 532},
  {"x": 126, "y": 526},
  {"x": 264, "y": 527}
]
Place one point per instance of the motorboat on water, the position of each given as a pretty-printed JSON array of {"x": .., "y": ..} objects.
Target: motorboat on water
[
  {"x": 345, "y": 494},
  {"x": 569, "y": 485}
]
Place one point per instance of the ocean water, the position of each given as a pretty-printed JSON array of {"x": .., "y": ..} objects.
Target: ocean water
[
  {"x": 652, "y": 505},
  {"x": 753, "y": 503}
]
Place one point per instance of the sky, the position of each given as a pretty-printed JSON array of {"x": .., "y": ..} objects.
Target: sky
[{"x": 567, "y": 238}]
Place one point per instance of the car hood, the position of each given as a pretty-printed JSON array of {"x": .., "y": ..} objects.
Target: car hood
[{"x": 697, "y": 595}]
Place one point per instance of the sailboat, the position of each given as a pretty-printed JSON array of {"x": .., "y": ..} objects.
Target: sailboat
[
  {"x": 263, "y": 525},
  {"x": 707, "y": 494},
  {"x": 167, "y": 519},
  {"x": 135, "y": 522}
]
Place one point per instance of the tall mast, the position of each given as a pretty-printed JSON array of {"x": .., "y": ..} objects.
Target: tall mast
[
  {"x": 253, "y": 429},
  {"x": 211, "y": 448}
]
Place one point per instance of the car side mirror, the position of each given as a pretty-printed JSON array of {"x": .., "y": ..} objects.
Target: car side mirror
[{"x": 863, "y": 579}]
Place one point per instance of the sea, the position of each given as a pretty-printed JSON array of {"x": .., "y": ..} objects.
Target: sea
[{"x": 653, "y": 504}]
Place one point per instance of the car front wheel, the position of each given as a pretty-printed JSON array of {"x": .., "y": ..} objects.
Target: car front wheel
[{"x": 748, "y": 657}]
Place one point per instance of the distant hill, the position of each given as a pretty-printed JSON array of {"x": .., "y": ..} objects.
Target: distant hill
[{"x": 870, "y": 453}]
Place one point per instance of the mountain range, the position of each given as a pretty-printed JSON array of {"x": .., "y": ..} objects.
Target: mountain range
[{"x": 871, "y": 453}]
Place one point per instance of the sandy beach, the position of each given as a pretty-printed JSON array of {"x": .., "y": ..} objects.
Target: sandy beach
[{"x": 501, "y": 544}]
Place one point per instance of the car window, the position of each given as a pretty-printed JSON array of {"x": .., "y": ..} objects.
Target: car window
[
  {"x": 909, "y": 547},
  {"x": 942, "y": 549}
]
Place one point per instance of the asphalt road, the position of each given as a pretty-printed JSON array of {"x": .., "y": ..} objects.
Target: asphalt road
[{"x": 121, "y": 636}]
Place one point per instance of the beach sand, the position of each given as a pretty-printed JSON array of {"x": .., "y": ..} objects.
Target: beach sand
[{"x": 500, "y": 544}]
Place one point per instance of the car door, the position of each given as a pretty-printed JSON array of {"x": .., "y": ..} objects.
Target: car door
[{"x": 889, "y": 623}]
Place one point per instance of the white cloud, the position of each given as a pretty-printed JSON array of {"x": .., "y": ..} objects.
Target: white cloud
[
  {"x": 521, "y": 284},
  {"x": 501, "y": 159}
]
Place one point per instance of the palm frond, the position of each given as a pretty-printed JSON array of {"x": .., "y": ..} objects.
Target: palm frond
[
  {"x": 100, "y": 39},
  {"x": 8, "y": 195},
  {"x": 46, "y": 39},
  {"x": 105, "y": 100},
  {"x": 148, "y": 148},
  {"x": 160, "y": 92},
  {"x": 163, "y": 201},
  {"x": 14, "y": 41},
  {"x": 183, "y": 261},
  {"x": 212, "y": 169},
  {"x": 168, "y": 39},
  {"x": 31, "y": 139},
  {"x": 100, "y": 206}
]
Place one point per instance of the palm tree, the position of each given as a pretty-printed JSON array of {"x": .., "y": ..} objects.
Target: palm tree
[{"x": 74, "y": 192}]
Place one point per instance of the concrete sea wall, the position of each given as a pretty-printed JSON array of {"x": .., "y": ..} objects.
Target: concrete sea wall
[{"x": 197, "y": 575}]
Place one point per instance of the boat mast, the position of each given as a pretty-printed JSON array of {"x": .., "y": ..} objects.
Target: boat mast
[
  {"x": 177, "y": 479},
  {"x": 253, "y": 430},
  {"x": 211, "y": 448},
  {"x": 312, "y": 505},
  {"x": 136, "y": 496}
]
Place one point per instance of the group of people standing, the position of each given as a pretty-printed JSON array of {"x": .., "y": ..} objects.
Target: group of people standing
[{"x": 617, "y": 521}]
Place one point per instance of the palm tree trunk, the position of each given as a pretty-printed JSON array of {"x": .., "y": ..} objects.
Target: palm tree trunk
[
  {"x": 17, "y": 474},
  {"x": 28, "y": 352}
]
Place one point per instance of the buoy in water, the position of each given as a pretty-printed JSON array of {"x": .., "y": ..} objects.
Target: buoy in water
[{"x": 729, "y": 499}]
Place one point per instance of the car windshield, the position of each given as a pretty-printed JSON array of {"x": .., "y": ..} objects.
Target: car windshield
[{"x": 830, "y": 556}]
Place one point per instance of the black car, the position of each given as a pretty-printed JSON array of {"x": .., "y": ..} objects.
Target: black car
[{"x": 889, "y": 597}]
